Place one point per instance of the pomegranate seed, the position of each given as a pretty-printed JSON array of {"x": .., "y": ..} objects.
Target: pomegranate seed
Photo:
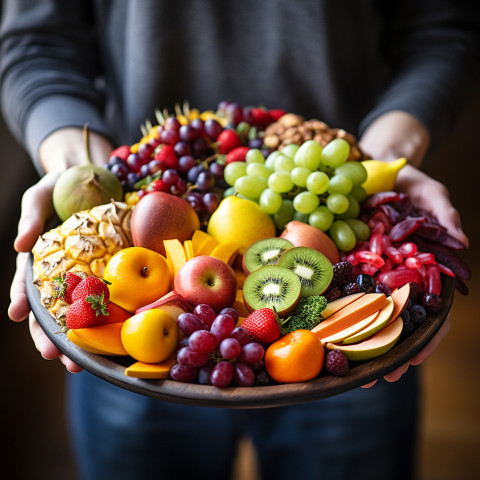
[
  {"x": 424, "y": 257},
  {"x": 434, "y": 285},
  {"x": 368, "y": 268},
  {"x": 423, "y": 272},
  {"x": 377, "y": 228},
  {"x": 412, "y": 262},
  {"x": 370, "y": 258},
  {"x": 376, "y": 243},
  {"x": 351, "y": 259},
  {"x": 387, "y": 266},
  {"x": 386, "y": 242},
  {"x": 407, "y": 249},
  {"x": 397, "y": 278},
  {"x": 394, "y": 254},
  {"x": 445, "y": 270}
]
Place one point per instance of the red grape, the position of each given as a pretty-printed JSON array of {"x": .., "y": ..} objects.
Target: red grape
[
  {"x": 212, "y": 128},
  {"x": 191, "y": 358},
  {"x": 251, "y": 352},
  {"x": 203, "y": 341},
  {"x": 189, "y": 323},
  {"x": 222, "y": 326},
  {"x": 206, "y": 314},
  {"x": 229, "y": 348},
  {"x": 243, "y": 375},
  {"x": 222, "y": 374},
  {"x": 183, "y": 373}
]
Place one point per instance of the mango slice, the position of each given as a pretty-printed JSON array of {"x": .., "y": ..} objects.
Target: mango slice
[
  {"x": 151, "y": 370},
  {"x": 226, "y": 252}
]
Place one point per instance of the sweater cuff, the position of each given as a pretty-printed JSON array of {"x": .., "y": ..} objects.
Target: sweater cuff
[{"x": 55, "y": 112}]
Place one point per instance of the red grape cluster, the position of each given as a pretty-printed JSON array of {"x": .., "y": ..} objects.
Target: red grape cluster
[{"x": 216, "y": 352}]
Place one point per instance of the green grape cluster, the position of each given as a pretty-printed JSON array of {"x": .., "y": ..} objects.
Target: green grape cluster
[{"x": 307, "y": 183}]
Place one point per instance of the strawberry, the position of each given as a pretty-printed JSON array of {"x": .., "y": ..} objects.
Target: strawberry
[
  {"x": 91, "y": 287},
  {"x": 64, "y": 285},
  {"x": 87, "y": 312},
  {"x": 276, "y": 113},
  {"x": 260, "y": 117},
  {"x": 237, "y": 155},
  {"x": 167, "y": 155},
  {"x": 121, "y": 152},
  {"x": 228, "y": 140},
  {"x": 262, "y": 325}
]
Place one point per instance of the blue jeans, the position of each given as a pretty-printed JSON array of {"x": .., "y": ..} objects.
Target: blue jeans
[{"x": 362, "y": 434}]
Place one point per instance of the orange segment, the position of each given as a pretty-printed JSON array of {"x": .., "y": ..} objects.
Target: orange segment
[
  {"x": 188, "y": 247},
  {"x": 226, "y": 252}
]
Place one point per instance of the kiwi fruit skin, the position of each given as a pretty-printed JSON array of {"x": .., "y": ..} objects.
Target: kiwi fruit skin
[
  {"x": 303, "y": 261},
  {"x": 264, "y": 252},
  {"x": 289, "y": 286}
]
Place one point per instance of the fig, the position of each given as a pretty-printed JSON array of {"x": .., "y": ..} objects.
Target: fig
[{"x": 84, "y": 186}]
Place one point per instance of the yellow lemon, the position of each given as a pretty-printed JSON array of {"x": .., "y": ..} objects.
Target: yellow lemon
[{"x": 381, "y": 176}]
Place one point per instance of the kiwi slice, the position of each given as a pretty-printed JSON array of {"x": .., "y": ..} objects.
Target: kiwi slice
[
  {"x": 273, "y": 287},
  {"x": 264, "y": 252},
  {"x": 312, "y": 268}
]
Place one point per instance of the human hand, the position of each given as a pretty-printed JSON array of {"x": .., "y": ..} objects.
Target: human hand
[{"x": 37, "y": 208}]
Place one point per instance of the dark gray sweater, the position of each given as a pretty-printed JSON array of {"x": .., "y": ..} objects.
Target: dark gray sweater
[{"x": 112, "y": 62}]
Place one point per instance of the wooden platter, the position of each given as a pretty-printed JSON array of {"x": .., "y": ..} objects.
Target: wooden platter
[{"x": 111, "y": 369}]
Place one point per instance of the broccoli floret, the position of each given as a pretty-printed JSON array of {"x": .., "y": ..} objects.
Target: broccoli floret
[{"x": 306, "y": 314}]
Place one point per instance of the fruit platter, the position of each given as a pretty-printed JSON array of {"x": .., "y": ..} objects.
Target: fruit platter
[{"x": 243, "y": 258}]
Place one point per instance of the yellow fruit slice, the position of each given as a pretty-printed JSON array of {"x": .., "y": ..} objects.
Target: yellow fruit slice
[
  {"x": 106, "y": 338},
  {"x": 226, "y": 252},
  {"x": 239, "y": 305},
  {"x": 175, "y": 254},
  {"x": 82, "y": 344},
  {"x": 381, "y": 176},
  {"x": 151, "y": 370},
  {"x": 188, "y": 247},
  {"x": 204, "y": 241}
]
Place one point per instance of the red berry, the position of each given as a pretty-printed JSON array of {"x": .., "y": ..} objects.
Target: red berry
[
  {"x": 64, "y": 285},
  {"x": 227, "y": 141},
  {"x": 121, "y": 152},
  {"x": 260, "y": 117},
  {"x": 276, "y": 113},
  {"x": 336, "y": 363},
  {"x": 91, "y": 287},
  {"x": 167, "y": 155},
  {"x": 262, "y": 325},
  {"x": 83, "y": 313},
  {"x": 237, "y": 155}
]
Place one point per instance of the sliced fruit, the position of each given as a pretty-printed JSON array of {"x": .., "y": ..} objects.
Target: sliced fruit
[
  {"x": 240, "y": 276},
  {"x": 239, "y": 305},
  {"x": 264, "y": 252},
  {"x": 373, "y": 347},
  {"x": 382, "y": 320},
  {"x": 273, "y": 287},
  {"x": 347, "y": 332},
  {"x": 175, "y": 254},
  {"x": 336, "y": 305},
  {"x": 106, "y": 338},
  {"x": 203, "y": 243},
  {"x": 151, "y": 370},
  {"x": 312, "y": 268},
  {"x": 188, "y": 247},
  {"x": 80, "y": 343},
  {"x": 172, "y": 299},
  {"x": 226, "y": 252},
  {"x": 351, "y": 314},
  {"x": 400, "y": 299}
]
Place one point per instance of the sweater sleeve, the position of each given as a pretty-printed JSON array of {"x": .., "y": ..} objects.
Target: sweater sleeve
[
  {"x": 49, "y": 70},
  {"x": 432, "y": 48}
]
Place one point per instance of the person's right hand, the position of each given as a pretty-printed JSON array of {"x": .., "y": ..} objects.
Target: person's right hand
[{"x": 37, "y": 208}]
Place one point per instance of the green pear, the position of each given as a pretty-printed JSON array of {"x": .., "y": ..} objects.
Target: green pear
[{"x": 240, "y": 221}]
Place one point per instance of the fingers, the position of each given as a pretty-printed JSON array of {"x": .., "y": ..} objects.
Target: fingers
[
  {"x": 19, "y": 307},
  {"x": 37, "y": 207},
  {"x": 397, "y": 373},
  {"x": 449, "y": 217},
  {"x": 369, "y": 385}
]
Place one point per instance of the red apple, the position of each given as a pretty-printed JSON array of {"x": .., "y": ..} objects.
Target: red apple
[
  {"x": 160, "y": 216},
  {"x": 205, "y": 279}
]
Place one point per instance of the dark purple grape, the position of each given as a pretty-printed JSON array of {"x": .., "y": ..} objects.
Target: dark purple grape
[
  {"x": 191, "y": 196},
  {"x": 132, "y": 179},
  {"x": 145, "y": 151},
  {"x": 170, "y": 137},
  {"x": 203, "y": 341},
  {"x": 186, "y": 163},
  {"x": 382, "y": 288},
  {"x": 120, "y": 170},
  {"x": 194, "y": 172},
  {"x": 170, "y": 176},
  {"x": 155, "y": 166},
  {"x": 199, "y": 147},
  {"x": 182, "y": 148},
  {"x": 179, "y": 188},
  {"x": 107, "y": 166},
  {"x": 235, "y": 113},
  {"x": 205, "y": 181},
  {"x": 216, "y": 169},
  {"x": 182, "y": 373},
  {"x": 222, "y": 326},
  {"x": 204, "y": 374},
  {"x": 366, "y": 283},
  {"x": 134, "y": 162},
  {"x": 243, "y": 375},
  {"x": 229, "y": 348},
  {"x": 222, "y": 374},
  {"x": 417, "y": 314},
  {"x": 232, "y": 312},
  {"x": 255, "y": 143},
  {"x": 171, "y": 123},
  {"x": 405, "y": 316},
  {"x": 241, "y": 335},
  {"x": 432, "y": 302},
  {"x": 211, "y": 201},
  {"x": 191, "y": 358},
  {"x": 251, "y": 353},
  {"x": 144, "y": 170},
  {"x": 187, "y": 133},
  {"x": 198, "y": 125},
  {"x": 212, "y": 129},
  {"x": 262, "y": 379},
  {"x": 206, "y": 314},
  {"x": 189, "y": 323},
  {"x": 114, "y": 160}
]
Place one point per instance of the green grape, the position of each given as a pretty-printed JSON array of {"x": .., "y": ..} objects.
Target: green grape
[
  {"x": 229, "y": 192},
  {"x": 270, "y": 201},
  {"x": 340, "y": 184},
  {"x": 251, "y": 187},
  {"x": 360, "y": 229},
  {"x": 283, "y": 164},
  {"x": 321, "y": 218},
  {"x": 280, "y": 182},
  {"x": 299, "y": 176},
  {"x": 271, "y": 159},
  {"x": 335, "y": 153},
  {"x": 308, "y": 155},
  {"x": 284, "y": 215},
  {"x": 258, "y": 170},
  {"x": 300, "y": 217},
  {"x": 234, "y": 171},
  {"x": 353, "y": 209},
  {"x": 337, "y": 203},
  {"x": 318, "y": 182},
  {"x": 342, "y": 235},
  {"x": 290, "y": 150},
  {"x": 306, "y": 202},
  {"x": 355, "y": 171},
  {"x": 254, "y": 155},
  {"x": 359, "y": 193}
]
